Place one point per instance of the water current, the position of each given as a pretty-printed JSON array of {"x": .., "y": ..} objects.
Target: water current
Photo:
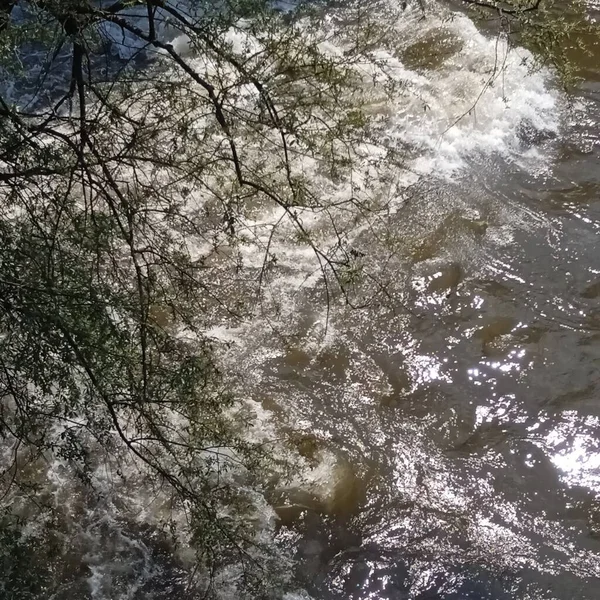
[
  {"x": 450, "y": 439},
  {"x": 464, "y": 421}
]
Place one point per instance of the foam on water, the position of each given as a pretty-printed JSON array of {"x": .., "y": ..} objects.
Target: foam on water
[
  {"x": 479, "y": 100},
  {"x": 478, "y": 103}
]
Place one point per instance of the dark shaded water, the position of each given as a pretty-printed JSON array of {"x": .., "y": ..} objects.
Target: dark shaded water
[
  {"x": 469, "y": 427},
  {"x": 451, "y": 433}
]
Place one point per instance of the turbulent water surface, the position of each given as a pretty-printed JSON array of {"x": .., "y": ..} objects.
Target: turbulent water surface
[
  {"x": 450, "y": 440},
  {"x": 455, "y": 437}
]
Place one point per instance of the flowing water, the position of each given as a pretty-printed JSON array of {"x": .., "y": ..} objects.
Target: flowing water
[
  {"x": 450, "y": 438},
  {"x": 455, "y": 436}
]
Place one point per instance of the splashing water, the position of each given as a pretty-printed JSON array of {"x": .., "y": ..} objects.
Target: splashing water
[{"x": 424, "y": 466}]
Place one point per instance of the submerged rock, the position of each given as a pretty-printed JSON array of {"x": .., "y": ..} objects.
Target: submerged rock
[
  {"x": 432, "y": 50},
  {"x": 591, "y": 291},
  {"x": 446, "y": 278}
]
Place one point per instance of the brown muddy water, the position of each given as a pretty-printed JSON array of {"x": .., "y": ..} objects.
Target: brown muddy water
[
  {"x": 449, "y": 431},
  {"x": 465, "y": 419}
]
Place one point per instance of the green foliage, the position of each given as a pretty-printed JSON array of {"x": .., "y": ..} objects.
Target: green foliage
[
  {"x": 554, "y": 31},
  {"x": 123, "y": 179},
  {"x": 25, "y": 560},
  {"x": 120, "y": 181}
]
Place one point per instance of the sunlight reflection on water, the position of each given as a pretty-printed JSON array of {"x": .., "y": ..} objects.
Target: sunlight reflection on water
[{"x": 575, "y": 449}]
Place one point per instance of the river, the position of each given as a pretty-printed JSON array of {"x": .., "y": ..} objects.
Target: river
[
  {"x": 464, "y": 421},
  {"x": 447, "y": 434}
]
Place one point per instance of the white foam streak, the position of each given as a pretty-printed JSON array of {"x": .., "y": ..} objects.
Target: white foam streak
[{"x": 474, "y": 103}]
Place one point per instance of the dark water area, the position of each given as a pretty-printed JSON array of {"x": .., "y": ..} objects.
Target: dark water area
[
  {"x": 475, "y": 470},
  {"x": 454, "y": 433}
]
